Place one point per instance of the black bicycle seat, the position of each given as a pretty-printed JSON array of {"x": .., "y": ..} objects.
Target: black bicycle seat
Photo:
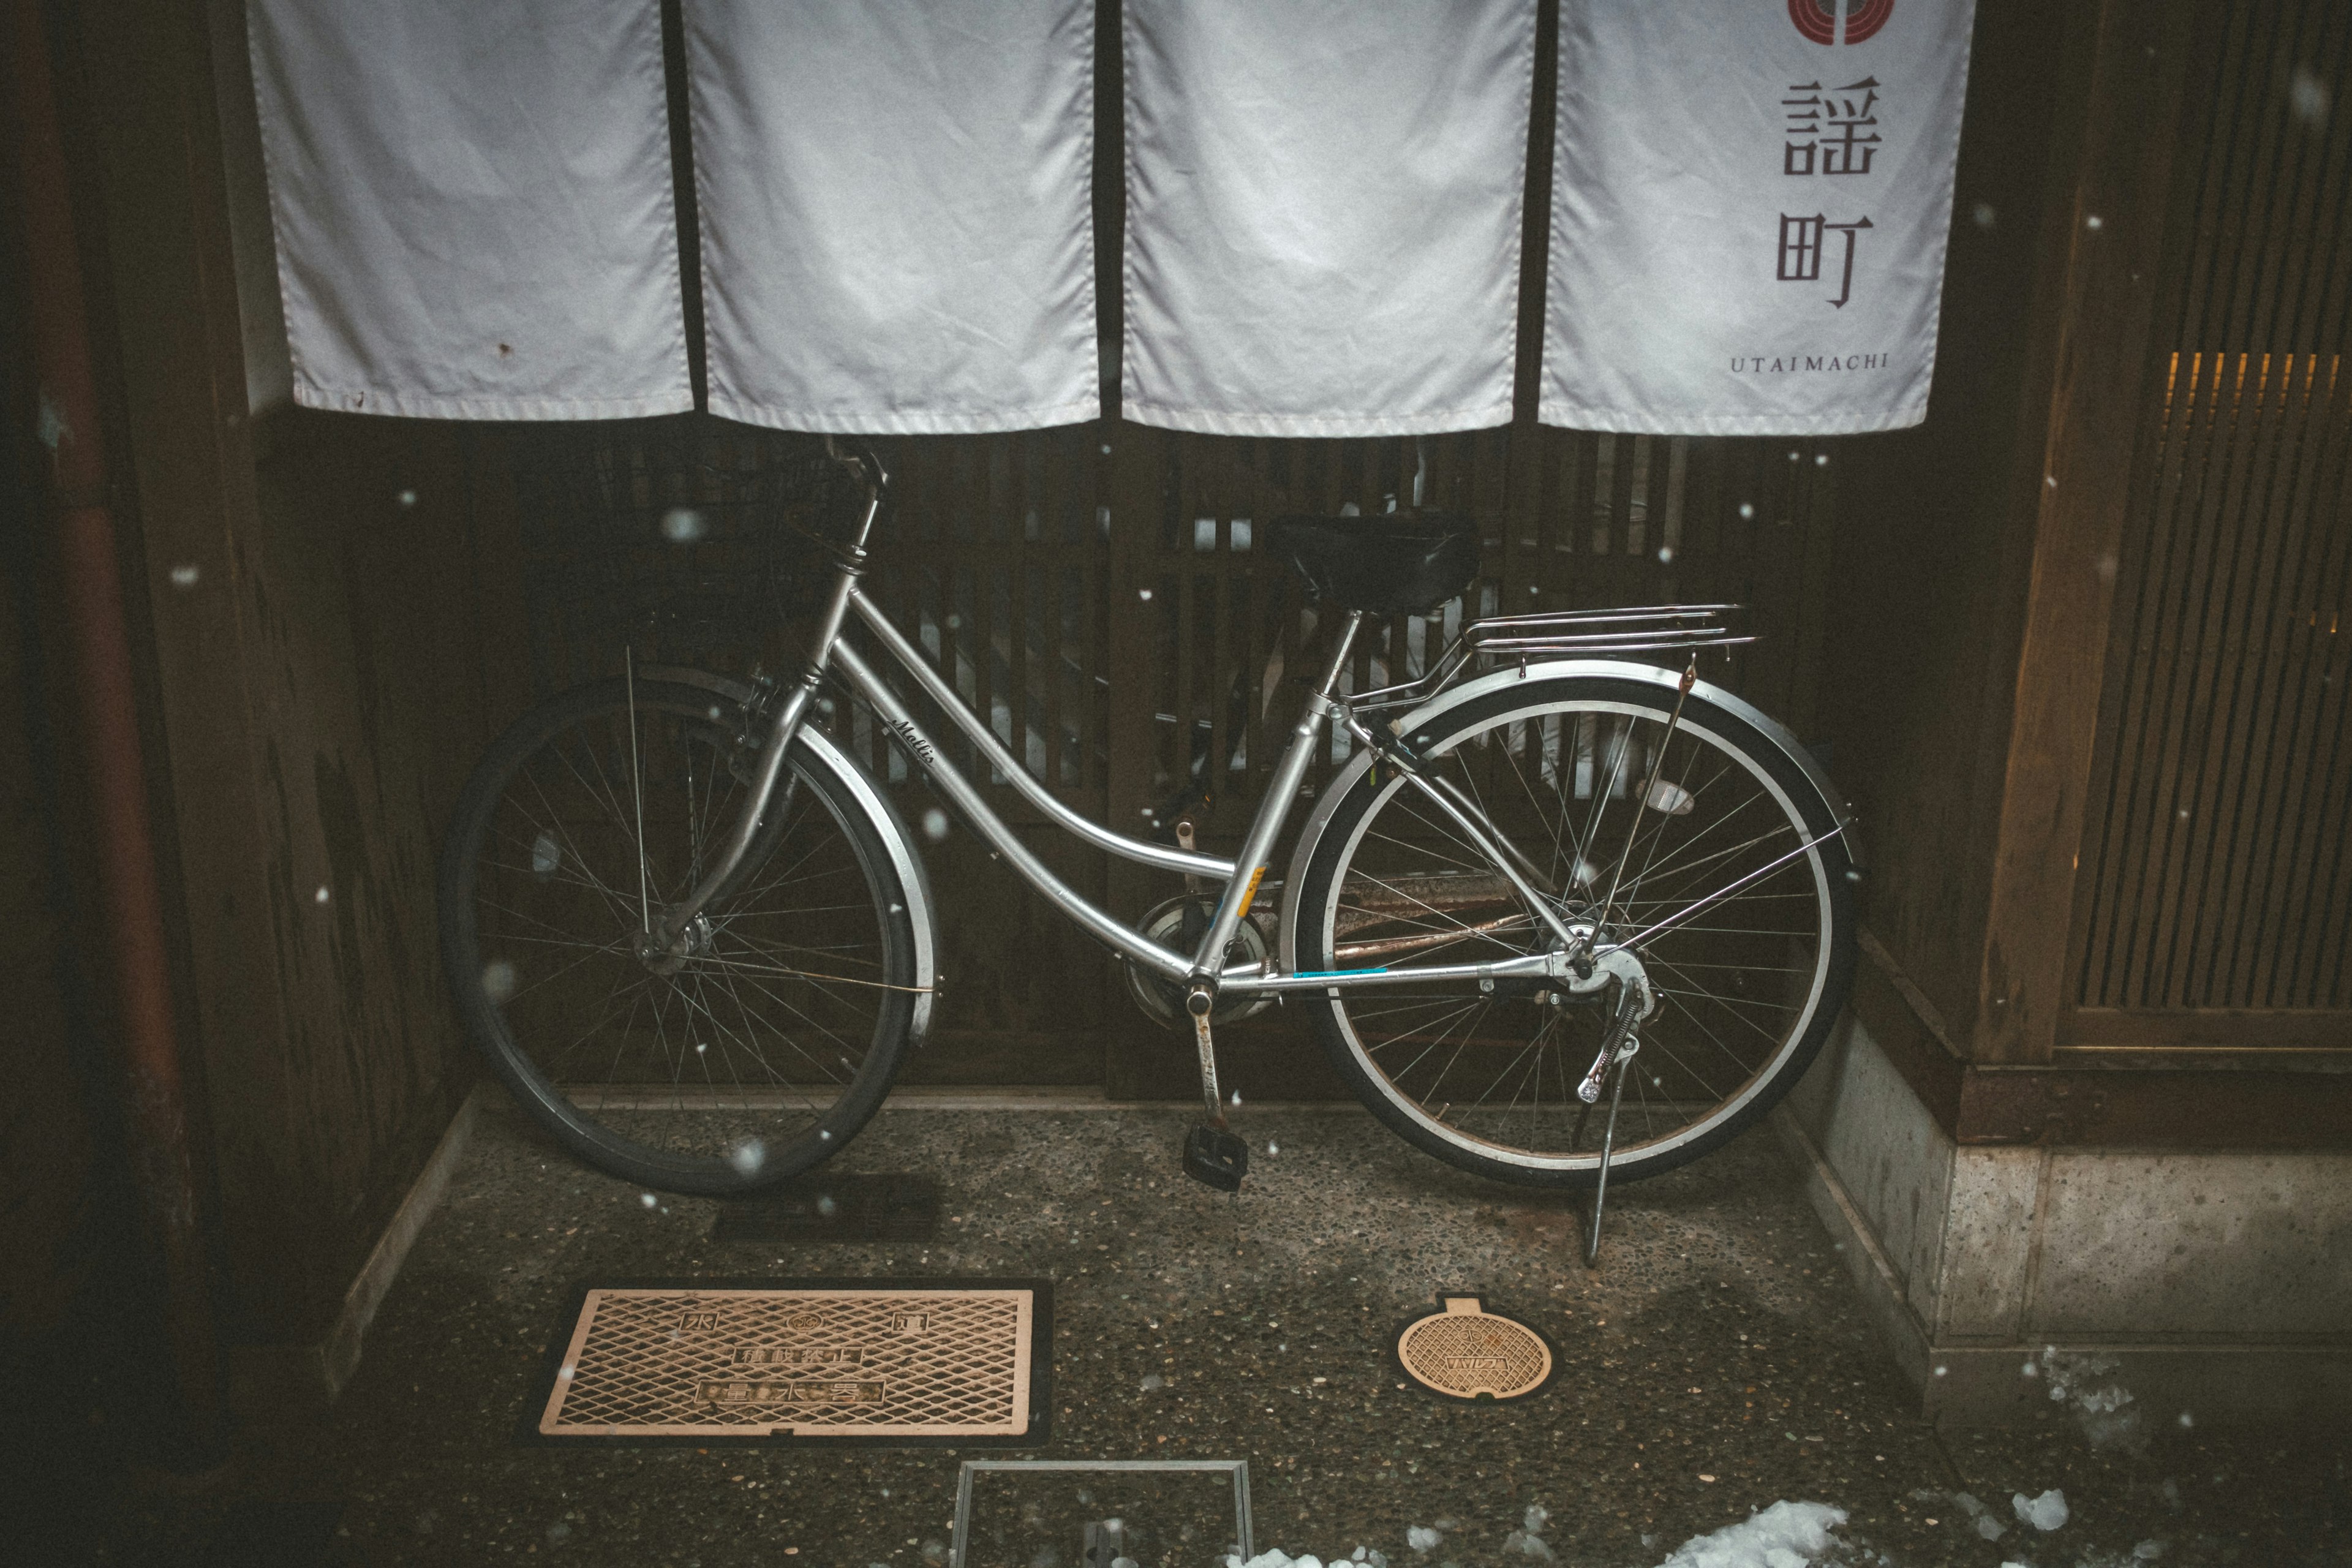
[{"x": 1392, "y": 563}]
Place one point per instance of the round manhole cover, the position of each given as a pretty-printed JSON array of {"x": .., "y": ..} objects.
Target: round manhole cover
[{"x": 1467, "y": 1352}]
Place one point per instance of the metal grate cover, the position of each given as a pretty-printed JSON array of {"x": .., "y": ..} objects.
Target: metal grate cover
[
  {"x": 892, "y": 1362},
  {"x": 1468, "y": 1352}
]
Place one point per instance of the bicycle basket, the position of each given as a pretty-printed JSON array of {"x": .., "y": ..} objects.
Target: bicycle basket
[{"x": 687, "y": 539}]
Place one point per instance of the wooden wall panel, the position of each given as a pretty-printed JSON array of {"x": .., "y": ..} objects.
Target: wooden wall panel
[
  {"x": 50, "y": 1151},
  {"x": 324, "y": 663},
  {"x": 361, "y": 628},
  {"x": 2218, "y": 871}
]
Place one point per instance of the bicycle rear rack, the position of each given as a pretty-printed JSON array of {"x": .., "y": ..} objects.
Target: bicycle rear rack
[{"x": 1663, "y": 632}]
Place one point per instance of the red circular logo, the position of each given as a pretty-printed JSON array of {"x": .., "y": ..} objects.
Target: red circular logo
[{"x": 1818, "y": 19}]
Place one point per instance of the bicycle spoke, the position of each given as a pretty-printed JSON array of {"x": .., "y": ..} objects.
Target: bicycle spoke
[
  {"x": 1493, "y": 1074},
  {"x": 768, "y": 1009}
]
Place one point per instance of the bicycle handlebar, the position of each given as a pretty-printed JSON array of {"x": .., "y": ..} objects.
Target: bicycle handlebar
[{"x": 863, "y": 462}]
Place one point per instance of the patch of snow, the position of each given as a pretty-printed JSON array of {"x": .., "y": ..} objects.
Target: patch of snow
[
  {"x": 1785, "y": 1535},
  {"x": 1273, "y": 1557},
  {"x": 2100, "y": 1403},
  {"x": 2146, "y": 1552},
  {"x": 2046, "y": 1512},
  {"x": 1525, "y": 1541}
]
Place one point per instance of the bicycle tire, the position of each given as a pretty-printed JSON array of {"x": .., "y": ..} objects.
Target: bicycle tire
[
  {"x": 744, "y": 1125},
  {"x": 1682, "y": 1098}
]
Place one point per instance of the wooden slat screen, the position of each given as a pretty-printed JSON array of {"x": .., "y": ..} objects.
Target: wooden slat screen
[
  {"x": 2217, "y": 868},
  {"x": 1000, "y": 561},
  {"x": 1570, "y": 520}
]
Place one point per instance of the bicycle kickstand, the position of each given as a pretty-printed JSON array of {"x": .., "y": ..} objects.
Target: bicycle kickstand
[
  {"x": 1608, "y": 1145},
  {"x": 1614, "y": 1063},
  {"x": 1214, "y": 1154}
]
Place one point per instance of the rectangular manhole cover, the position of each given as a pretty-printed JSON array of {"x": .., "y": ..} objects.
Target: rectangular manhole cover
[
  {"x": 883, "y": 1207},
  {"x": 874, "y": 1360}
]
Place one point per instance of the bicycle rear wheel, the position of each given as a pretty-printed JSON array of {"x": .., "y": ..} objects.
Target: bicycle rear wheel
[
  {"x": 761, "y": 1049},
  {"x": 1485, "y": 1079}
]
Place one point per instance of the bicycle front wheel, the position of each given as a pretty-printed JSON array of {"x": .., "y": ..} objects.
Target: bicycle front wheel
[
  {"x": 763, "y": 1047},
  {"x": 1749, "y": 987}
]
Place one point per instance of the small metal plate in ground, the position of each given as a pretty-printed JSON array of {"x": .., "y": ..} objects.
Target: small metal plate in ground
[
  {"x": 1126, "y": 1508},
  {"x": 888, "y": 1361},
  {"x": 883, "y": 1207},
  {"x": 1470, "y": 1353}
]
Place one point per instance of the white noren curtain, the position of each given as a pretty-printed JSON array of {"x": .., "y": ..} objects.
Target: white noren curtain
[
  {"x": 894, "y": 204},
  {"x": 472, "y": 203},
  {"x": 1750, "y": 208},
  {"x": 1323, "y": 213}
]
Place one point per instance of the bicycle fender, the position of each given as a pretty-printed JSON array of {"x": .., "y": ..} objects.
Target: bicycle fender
[
  {"x": 922, "y": 910},
  {"x": 1667, "y": 680}
]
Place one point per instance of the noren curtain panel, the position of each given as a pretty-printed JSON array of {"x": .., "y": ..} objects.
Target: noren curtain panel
[
  {"x": 1750, "y": 207},
  {"x": 896, "y": 208},
  {"x": 473, "y": 205},
  {"x": 1323, "y": 213}
]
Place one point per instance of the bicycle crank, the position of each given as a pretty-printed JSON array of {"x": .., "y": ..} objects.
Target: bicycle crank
[{"x": 1214, "y": 1154}]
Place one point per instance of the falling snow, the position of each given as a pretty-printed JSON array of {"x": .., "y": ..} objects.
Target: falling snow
[{"x": 2308, "y": 97}]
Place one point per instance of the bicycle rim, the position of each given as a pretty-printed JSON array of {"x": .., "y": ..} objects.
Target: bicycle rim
[
  {"x": 757, "y": 1052},
  {"x": 1487, "y": 1080}
]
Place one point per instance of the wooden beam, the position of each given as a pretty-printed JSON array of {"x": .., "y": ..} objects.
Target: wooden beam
[
  {"x": 2221, "y": 1028},
  {"x": 2269, "y": 1097}
]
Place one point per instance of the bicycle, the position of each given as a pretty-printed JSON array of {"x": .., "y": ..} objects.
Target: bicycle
[{"x": 695, "y": 939}]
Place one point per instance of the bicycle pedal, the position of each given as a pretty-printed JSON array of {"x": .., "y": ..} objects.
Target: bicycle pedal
[{"x": 1216, "y": 1157}]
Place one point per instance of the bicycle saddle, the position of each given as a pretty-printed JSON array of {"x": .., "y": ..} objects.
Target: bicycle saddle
[{"x": 1392, "y": 563}]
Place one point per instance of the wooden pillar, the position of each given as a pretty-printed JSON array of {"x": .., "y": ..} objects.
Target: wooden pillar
[{"x": 2116, "y": 228}]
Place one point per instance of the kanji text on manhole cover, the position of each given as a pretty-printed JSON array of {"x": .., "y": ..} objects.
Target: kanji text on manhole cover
[
  {"x": 1468, "y": 1352},
  {"x": 877, "y": 1361}
]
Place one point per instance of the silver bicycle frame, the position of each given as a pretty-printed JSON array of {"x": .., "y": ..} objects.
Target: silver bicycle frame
[{"x": 1241, "y": 876}]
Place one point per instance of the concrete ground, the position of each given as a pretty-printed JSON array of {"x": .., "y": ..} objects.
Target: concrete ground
[{"x": 1715, "y": 1364}]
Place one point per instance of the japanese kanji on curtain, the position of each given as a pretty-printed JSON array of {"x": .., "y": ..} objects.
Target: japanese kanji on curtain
[
  {"x": 1750, "y": 206},
  {"x": 472, "y": 204},
  {"x": 894, "y": 204},
  {"x": 1323, "y": 200}
]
